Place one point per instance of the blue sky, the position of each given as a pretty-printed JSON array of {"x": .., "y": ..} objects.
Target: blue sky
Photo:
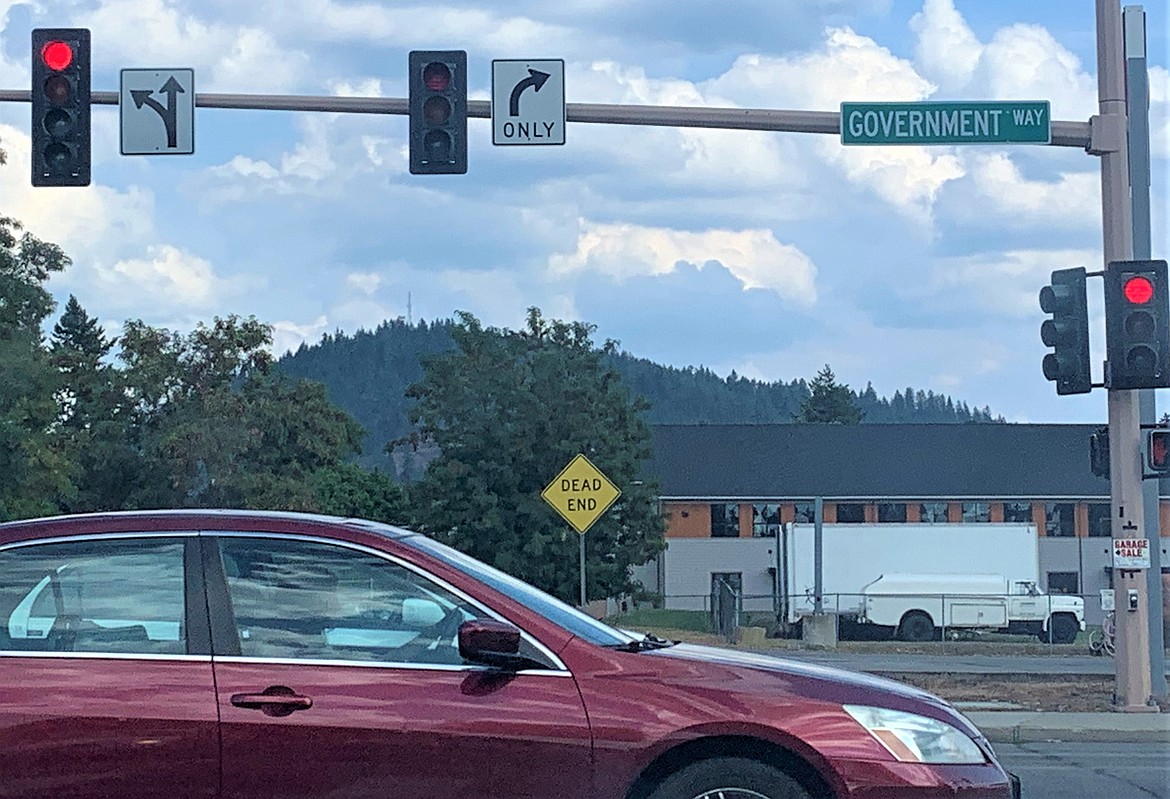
[{"x": 769, "y": 254}]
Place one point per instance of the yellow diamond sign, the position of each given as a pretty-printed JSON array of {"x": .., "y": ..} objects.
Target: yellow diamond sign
[{"x": 581, "y": 493}]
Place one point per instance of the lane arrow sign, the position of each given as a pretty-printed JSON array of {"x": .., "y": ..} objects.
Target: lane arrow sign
[
  {"x": 171, "y": 88},
  {"x": 536, "y": 79}
]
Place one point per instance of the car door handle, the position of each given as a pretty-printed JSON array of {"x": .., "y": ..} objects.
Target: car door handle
[{"x": 276, "y": 700}]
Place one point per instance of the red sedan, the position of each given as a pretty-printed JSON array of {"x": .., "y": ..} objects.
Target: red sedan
[{"x": 256, "y": 655}]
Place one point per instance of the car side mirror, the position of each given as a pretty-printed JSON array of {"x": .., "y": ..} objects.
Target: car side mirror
[{"x": 491, "y": 643}]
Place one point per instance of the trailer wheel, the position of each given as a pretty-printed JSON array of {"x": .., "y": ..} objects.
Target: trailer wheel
[
  {"x": 916, "y": 626},
  {"x": 1062, "y": 629}
]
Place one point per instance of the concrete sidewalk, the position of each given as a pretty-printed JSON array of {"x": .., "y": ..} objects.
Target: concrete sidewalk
[{"x": 1016, "y": 726}]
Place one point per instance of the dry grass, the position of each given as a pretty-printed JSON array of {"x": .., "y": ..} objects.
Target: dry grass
[{"x": 1064, "y": 693}]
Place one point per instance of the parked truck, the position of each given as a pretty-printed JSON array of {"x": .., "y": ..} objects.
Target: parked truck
[
  {"x": 919, "y": 607},
  {"x": 854, "y": 555}
]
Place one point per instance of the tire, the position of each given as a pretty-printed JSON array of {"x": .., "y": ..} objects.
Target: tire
[
  {"x": 729, "y": 778},
  {"x": 1063, "y": 629},
  {"x": 916, "y": 626}
]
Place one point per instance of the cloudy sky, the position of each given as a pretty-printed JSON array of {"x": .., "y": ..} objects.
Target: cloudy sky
[{"x": 769, "y": 254}]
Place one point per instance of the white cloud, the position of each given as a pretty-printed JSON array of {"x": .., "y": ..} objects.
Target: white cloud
[
  {"x": 947, "y": 50},
  {"x": 99, "y": 220},
  {"x": 1159, "y": 112},
  {"x": 365, "y": 282},
  {"x": 851, "y": 67},
  {"x": 1024, "y": 62},
  {"x": 170, "y": 277},
  {"x": 226, "y": 58},
  {"x": 1071, "y": 201},
  {"x": 1002, "y": 284},
  {"x": 754, "y": 257},
  {"x": 287, "y": 336}
]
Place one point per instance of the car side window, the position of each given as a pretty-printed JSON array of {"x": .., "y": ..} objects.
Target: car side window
[
  {"x": 103, "y": 596},
  {"x": 306, "y": 600}
]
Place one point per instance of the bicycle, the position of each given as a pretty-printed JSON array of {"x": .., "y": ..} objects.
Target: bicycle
[{"x": 1103, "y": 641}]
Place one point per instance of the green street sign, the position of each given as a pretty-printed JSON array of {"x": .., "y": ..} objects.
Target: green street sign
[{"x": 965, "y": 122}]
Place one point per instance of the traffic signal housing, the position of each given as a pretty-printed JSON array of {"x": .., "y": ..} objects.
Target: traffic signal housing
[
  {"x": 1099, "y": 452},
  {"x": 438, "y": 112},
  {"x": 1137, "y": 325},
  {"x": 60, "y": 107},
  {"x": 1067, "y": 332},
  {"x": 1158, "y": 451}
]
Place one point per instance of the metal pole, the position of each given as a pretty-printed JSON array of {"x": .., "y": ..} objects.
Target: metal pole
[
  {"x": 1109, "y": 140},
  {"x": 776, "y": 574},
  {"x": 818, "y": 554},
  {"x": 1137, "y": 91},
  {"x": 1064, "y": 133},
  {"x": 582, "y": 537}
]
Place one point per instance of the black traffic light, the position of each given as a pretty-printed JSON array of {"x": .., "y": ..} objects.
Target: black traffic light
[
  {"x": 1067, "y": 332},
  {"x": 438, "y": 112},
  {"x": 1099, "y": 452},
  {"x": 60, "y": 107},
  {"x": 1158, "y": 450},
  {"x": 1137, "y": 327}
]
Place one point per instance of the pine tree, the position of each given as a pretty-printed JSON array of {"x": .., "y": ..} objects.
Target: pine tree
[{"x": 829, "y": 401}]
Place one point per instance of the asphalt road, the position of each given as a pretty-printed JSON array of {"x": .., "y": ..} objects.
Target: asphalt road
[
  {"x": 1089, "y": 771},
  {"x": 955, "y": 664}
]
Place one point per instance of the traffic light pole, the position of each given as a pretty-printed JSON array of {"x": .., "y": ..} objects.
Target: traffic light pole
[
  {"x": 1137, "y": 92},
  {"x": 1133, "y": 689},
  {"x": 1064, "y": 133}
]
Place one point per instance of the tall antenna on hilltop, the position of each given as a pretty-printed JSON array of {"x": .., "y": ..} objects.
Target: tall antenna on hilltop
[{"x": 409, "y": 314}]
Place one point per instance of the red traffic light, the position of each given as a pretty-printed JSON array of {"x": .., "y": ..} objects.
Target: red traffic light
[
  {"x": 437, "y": 76},
  {"x": 1158, "y": 451},
  {"x": 57, "y": 55},
  {"x": 1138, "y": 290}
]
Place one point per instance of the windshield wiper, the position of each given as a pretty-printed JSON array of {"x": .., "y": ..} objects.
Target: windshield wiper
[{"x": 647, "y": 642}]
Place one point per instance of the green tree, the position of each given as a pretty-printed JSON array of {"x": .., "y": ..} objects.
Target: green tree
[
  {"x": 34, "y": 473},
  {"x": 217, "y": 427},
  {"x": 829, "y": 401},
  {"x": 508, "y": 410},
  {"x": 347, "y": 489},
  {"x": 95, "y": 414}
]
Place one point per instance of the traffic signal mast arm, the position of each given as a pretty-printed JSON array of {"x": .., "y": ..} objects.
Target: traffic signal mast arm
[{"x": 1064, "y": 133}]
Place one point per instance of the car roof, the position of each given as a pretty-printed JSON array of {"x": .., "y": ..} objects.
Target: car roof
[{"x": 191, "y": 519}]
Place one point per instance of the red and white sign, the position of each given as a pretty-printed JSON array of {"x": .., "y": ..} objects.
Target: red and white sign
[{"x": 1131, "y": 553}]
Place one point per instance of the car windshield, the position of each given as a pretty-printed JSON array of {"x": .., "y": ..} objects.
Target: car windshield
[{"x": 553, "y": 609}]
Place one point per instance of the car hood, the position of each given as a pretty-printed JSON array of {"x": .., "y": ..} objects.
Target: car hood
[{"x": 826, "y": 682}]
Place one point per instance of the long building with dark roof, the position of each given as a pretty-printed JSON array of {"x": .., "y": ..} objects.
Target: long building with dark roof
[{"x": 742, "y": 481}]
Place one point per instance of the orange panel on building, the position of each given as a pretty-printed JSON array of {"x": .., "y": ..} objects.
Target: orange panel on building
[{"x": 687, "y": 519}]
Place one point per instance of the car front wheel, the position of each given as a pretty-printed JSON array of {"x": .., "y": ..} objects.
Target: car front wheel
[{"x": 729, "y": 778}]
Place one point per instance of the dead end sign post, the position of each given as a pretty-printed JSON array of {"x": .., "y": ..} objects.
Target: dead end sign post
[{"x": 581, "y": 493}]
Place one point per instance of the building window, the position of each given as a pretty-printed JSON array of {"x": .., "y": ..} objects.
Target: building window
[
  {"x": 1099, "y": 520},
  {"x": 1017, "y": 512},
  {"x": 765, "y": 521},
  {"x": 850, "y": 512},
  {"x": 976, "y": 511},
  {"x": 725, "y": 521},
  {"x": 933, "y": 512},
  {"x": 891, "y": 511},
  {"x": 1059, "y": 520},
  {"x": 805, "y": 513},
  {"x": 1063, "y": 583}
]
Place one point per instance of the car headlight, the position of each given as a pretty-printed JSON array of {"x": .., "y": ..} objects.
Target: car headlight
[{"x": 916, "y": 739}]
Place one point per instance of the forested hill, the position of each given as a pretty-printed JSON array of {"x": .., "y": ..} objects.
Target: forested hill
[{"x": 367, "y": 374}]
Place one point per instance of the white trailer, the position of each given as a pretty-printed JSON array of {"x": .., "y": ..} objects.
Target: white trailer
[
  {"x": 918, "y": 607},
  {"x": 854, "y": 555}
]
